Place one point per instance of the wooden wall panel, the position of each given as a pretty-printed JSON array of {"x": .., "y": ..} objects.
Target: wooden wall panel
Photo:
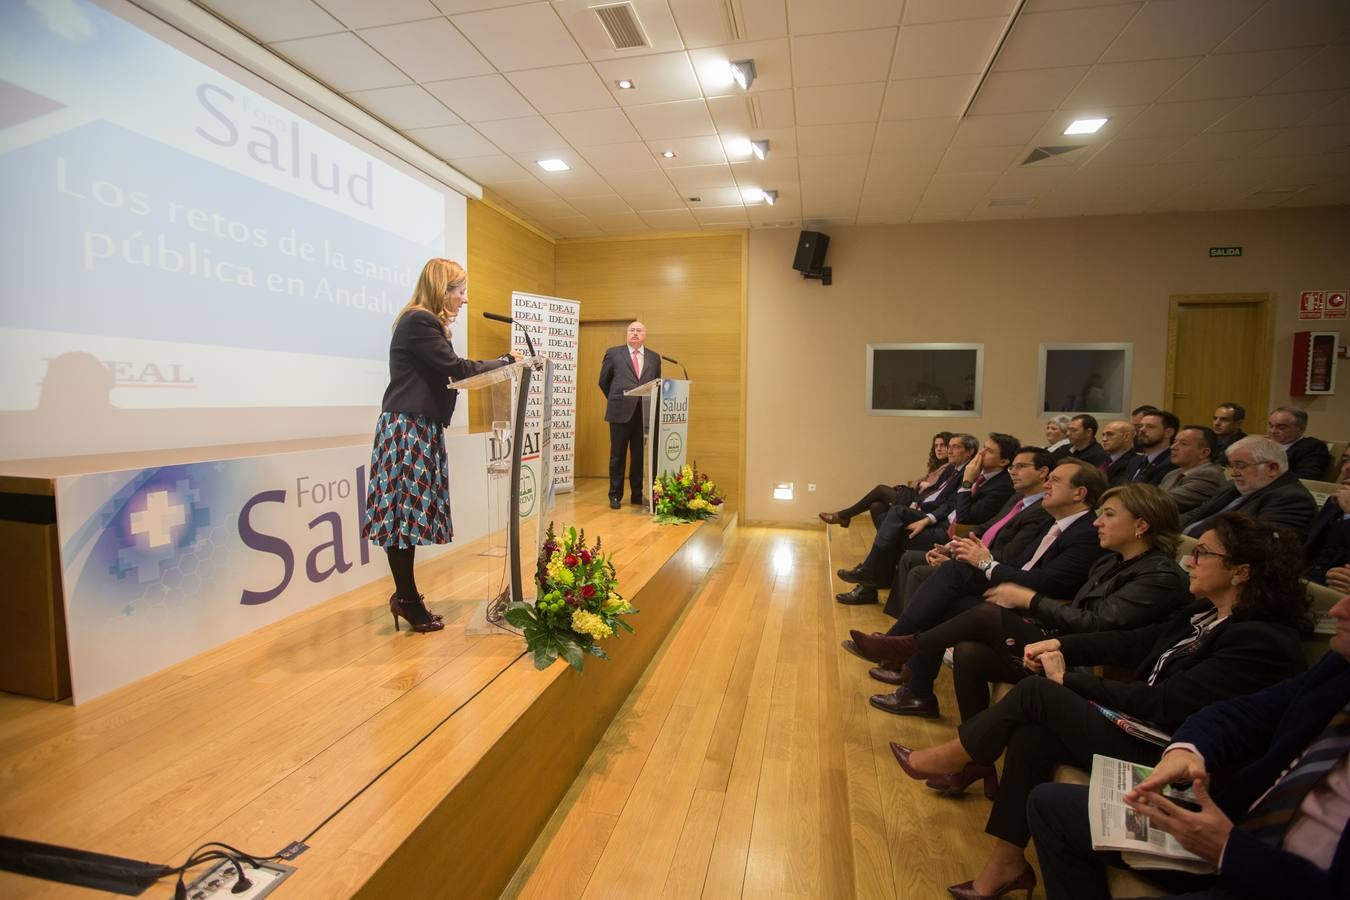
[{"x": 690, "y": 292}]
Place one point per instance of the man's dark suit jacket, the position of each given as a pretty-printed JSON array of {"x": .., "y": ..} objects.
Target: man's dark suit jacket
[
  {"x": 1118, "y": 471},
  {"x": 1263, "y": 733},
  {"x": 1063, "y": 568},
  {"x": 1154, "y": 476},
  {"x": 973, "y": 507},
  {"x": 1285, "y": 501},
  {"x": 1027, "y": 526},
  {"x": 1236, "y": 657},
  {"x": 1328, "y": 542},
  {"x": 1226, "y": 441},
  {"x": 1092, "y": 454},
  {"x": 616, "y": 376},
  {"x": 1309, "y": 458}
]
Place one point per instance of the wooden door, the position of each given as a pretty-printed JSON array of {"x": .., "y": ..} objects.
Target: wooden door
[
  {"x": 1219, "y": 350},
  {"x": 592, "y": 440}
]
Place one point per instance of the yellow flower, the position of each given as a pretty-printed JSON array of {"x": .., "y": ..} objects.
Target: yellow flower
[
  {"x": 584, "y": 622},
  {"x": 614, "y": 604}
]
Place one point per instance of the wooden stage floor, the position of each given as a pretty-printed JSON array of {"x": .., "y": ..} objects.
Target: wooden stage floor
[{"x": 381, "y": 750}]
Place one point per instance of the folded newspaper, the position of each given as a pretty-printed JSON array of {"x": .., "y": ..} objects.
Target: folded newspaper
[
  {"x": 1117, "y": 827},
  {"x": 1134, "y": 727}
]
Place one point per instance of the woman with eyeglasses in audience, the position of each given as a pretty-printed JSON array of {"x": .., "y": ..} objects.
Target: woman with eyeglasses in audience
[
  {"x": 1139, "y": 582},
  {"x": 882, "y": 497},
  {"x": 1241, "y": 635}
]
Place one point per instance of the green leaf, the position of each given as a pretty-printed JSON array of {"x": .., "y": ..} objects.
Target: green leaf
[
  {"x": 597, "y": 651},
  {"x": 624, "y": 625},
  {"x": 519, "y": 615},
  {"x": 545, "y": 655},
  {"x": 571, "y": 652}
]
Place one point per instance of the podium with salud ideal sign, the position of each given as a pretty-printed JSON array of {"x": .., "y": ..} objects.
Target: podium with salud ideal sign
[{"x": 665, "y": 412}]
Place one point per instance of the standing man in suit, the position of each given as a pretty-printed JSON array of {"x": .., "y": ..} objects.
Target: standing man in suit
[
  {"x": 1274, "y": 828},
  {"x": 623, "y": 369},
  {"x": 1327, "y": 551},
  {"x": 1228, "y": 421},
  {"x": 1308, "y": 456}
]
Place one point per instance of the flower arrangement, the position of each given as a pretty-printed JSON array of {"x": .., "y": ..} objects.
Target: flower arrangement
[
  {"x": 577, "y": 605},
  {"x": 685, "y": 497}
]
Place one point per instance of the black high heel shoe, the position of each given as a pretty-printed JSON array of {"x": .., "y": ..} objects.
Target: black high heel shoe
[
  {"x": 419, "y": 617},
  {"x": 422, "y": 599}
]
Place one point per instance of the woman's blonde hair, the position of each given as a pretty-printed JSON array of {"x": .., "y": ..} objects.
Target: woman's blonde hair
[
  {"x": 437, "y": 275},
  {"x": 1156, "y": 507}
]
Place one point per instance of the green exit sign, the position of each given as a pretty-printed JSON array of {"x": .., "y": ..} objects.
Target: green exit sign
[{"x": 1225, "y": 251}]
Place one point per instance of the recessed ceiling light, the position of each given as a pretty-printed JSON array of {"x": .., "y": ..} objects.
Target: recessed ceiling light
[
  {"x": 552, "y": 165},
  {"x": 1085, "y": 126},
  {"x": 668, "y": 154},
  {"x": 759, "y": 148},
  {"x": 625, "y": 84},
  {"x": 743, "y": 73}
]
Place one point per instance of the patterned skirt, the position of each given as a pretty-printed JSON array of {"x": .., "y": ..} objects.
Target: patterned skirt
[{"x": 408, "y": 501}]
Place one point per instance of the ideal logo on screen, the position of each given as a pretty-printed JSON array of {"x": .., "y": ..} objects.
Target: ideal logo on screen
[
  {"x": 277, "y": 142},
  {"x": 333, "y": 541}
]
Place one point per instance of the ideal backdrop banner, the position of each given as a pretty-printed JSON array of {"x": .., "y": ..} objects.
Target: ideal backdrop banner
[
  {"x": 554, "y": 325},
  {"x": 163, "y": 563},
  {"x": 673, "y": 427}
]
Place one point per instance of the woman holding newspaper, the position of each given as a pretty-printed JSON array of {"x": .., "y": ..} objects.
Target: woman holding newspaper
[{"x": 1240, "y": 636}]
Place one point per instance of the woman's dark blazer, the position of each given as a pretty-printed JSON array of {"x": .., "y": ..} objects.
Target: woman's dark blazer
[
  {"x": 421, "y": 361},
  {"x": 1118, "y": 594},
  {"x": 1234, "y": 658}
]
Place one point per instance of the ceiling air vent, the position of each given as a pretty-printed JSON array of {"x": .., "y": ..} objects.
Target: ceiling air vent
[
  {"x": 621, "y": 23},
  {"x": 1039, "y": 153}
]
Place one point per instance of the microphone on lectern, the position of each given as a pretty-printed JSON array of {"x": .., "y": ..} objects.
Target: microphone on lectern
[{"x": 497, "y": 317}]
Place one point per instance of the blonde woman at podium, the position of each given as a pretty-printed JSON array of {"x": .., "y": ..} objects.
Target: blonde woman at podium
[{"x": 408, "y": 501}]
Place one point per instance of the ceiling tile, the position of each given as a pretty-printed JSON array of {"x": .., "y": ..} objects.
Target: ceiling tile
[
  {"x": 526, "y": 191},
  {"x": 728, "y": 215},
  {"x": 587, "y": 128},
  {"x": 980, "y": 159},
  {"x": 848, "y": 57},
  {"x": 1304, "y": 141},
  {"x": 1274, "y": 111},
  {"x": 776, "y": 109},
  {"x": 701, "y": 178},
  {"x": 1290, "y": 23},
  {"x": 1173, "y": 28},
  {"x": 563, "y": 88},
  {"x": 428, "y": 51},
  {"x": 839, "y": 104},
  {"x": 630, "y": 184},
  {"x": 1234, "y": 75},
  {"x": 782, "y": 145},
  {"x": 629, "y": 157},
  {"x": 453, "y": 141},
  {"x": 671, "y": 220},
  {"x": 920, "y": 141},
  {"x": 733, "y": 114},
  {"x": 946, "y": 48},
  {"x": 702, "y": 24},
  {"x": 994, "y": 131},
  {"x": 846, "y": 169},
  {"x": 1129, "y": 83},
  {"x": 681, "y": 118},
  {"x": 814, "y": 17},
  {"x": 919, "y": 12},
  {"x": 773, "y": 67},
  {"x": 277, "y": 20},
  {"x": 774, "y": 169},
  {"x": 364, "y": 14},
  {"x": 824, "y": 140},
  {"x": 1118, "y": 119},
  {"x": 584, "y": 26},
  {"x": 928, "y": 98},
  {"x": 405, "y": 106},
  {"x": 520, "y": 37},
  {"x": 1026, "y": 91},
  {"x": 573, "y": 227},
  {"x": 490, "y": 169},
  {"x": 1073, "y": 37},
  {"x": 1327, "y": 69},
  {"x": 1135, "y": 152},
  {"x": 531, "y": 133},
  {"x": 654, "y": 200},
  {"x": 656, "y": 79},
  {"x": 547, "y": 209},
  {"x": 341, "y": 61},
  {"x": 577, "y": 184},
  {"x": 482, "y": 99},
  {"x": 716, "y": 196},
  {"x": 953, "y": 196},
  {"x": 1215, "y": 146},
  {"x": 621, "y": 223},
  {"x": 1179, "y": 119},
  {"x": 695, "y": 151},
  {"x": 1029, "y": 182},
  {"x": 1337, "y": 113}
]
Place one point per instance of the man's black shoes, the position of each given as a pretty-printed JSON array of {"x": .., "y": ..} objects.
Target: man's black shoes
[{"x": 859, "y": 596}]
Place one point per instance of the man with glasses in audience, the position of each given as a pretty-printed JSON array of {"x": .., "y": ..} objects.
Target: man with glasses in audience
[
  {"x": 1308, "y": 456},
  {"x": 1262, "y": 486}
]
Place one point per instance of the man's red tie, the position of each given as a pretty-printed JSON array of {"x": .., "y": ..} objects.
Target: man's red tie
[{"x": 636, "y": 370}]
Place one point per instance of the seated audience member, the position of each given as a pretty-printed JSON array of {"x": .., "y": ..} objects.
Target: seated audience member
[
  {"x": 1083, "y": 444},
  {"x": 1057, "y": 565},
  {"x": 1327, "y": 551},
  {"x": 1118, "y": 442},
  {"x": 1137, "y": 582},
  {"x": 1155, "y": 435},
  {"x": 1228, "y": 421},
  {"x": 1136, "y": 419},
  {"x": 1195, "y": 478},
  {"x": 1010, "y": 533},
  {"x": 1308, "y": 456},
  {"x": 1274, "y": 827},
  {"x": 1262, "y": 486},
  {"x": 985, "y": 484},
  {"x": 1056, "y": 433},
  {"x": 1243, "y": 636},
  {"x": 882, "y": 497}
]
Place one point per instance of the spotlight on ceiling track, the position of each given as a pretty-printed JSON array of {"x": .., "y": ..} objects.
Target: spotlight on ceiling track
[
  {"x": 743, "y": 73},
  {"x": 759, "y": 148}
]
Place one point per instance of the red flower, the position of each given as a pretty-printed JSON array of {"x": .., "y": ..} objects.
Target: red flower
[
  {"x": 586, "y": 556},
  {"x": 588, "y": 591},
  {"x": 570, "y": 560}
]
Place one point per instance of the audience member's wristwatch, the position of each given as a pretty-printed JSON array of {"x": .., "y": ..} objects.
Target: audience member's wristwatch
[{"x": 985, "y": 564}]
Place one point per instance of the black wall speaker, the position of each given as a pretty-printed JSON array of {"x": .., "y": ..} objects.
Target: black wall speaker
[{"x": 811, "y": 247}]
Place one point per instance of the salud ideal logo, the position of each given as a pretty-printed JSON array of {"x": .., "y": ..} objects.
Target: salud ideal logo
[
  {"x": 673, "y": 445},
  {"x": 527, "y": 491}
]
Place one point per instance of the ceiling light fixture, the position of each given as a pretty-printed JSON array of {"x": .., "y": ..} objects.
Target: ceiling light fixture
[
  {"x": 552, "y": 165},
  {"x": 1085, "y": 126},
  {"x": 752, "y": 195},
  {"x": 743, "y": 73},
  {"x": 668, "y": 154},
  {"x": 625, "y": 84},
  {"x": 759, "y": 148},
  {"x": 771, "y": 197},
  {"x": 739, "y": 147}
]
